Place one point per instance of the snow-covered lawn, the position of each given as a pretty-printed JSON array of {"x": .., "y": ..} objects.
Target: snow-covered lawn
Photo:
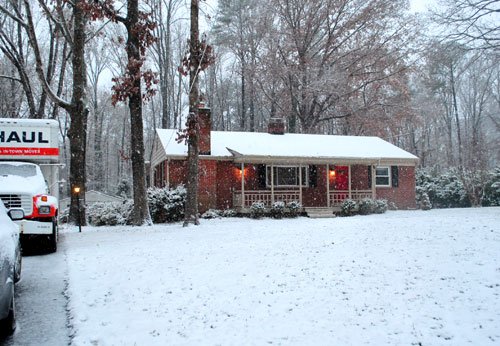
[{"x": 402, "y": 278}]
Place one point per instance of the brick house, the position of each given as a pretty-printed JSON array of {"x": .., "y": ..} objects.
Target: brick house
[{"x": 320, "y": 171}]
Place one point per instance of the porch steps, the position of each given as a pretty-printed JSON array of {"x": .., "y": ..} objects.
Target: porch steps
[{"x": 317, "y": 213}]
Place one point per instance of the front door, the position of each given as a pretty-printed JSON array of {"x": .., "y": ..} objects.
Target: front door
[{"x": 341, "y": 179}]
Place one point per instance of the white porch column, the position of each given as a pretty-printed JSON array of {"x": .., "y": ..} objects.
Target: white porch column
[
  {"x": 272, "y": 183},
  {"x": 374, "y": 192},
  {"x": 350, "y": 181},
  {"x": 242, "y": 185},
  {"x": 300, "y": 183},
  {"x": 328, "y": 185}
]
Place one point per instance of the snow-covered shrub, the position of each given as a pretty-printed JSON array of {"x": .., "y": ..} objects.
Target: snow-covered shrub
[
  {"x": 366, "y": 206},
  {"x": 392, "y": 206},
  {"x": 380, "y": 206},
  {"x": 228, "y": 213},
  {"x": 123, "y": 189},
  {"x": 109, "y": 214},
  {"x": 492, "y": 190},
  {"x": 348, "y": 207},
  {"x": 425, "y": 202},
  {"x": 278, "y": 209},
  {"x": 211, "y": 214},
  {"x": 166, "y": 205},
  {"x": 294, "y": 208},
  {"x": 444, "y": 191},
  {"x": 257, "y": 210}
]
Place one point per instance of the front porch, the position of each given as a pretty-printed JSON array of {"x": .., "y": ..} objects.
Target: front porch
[
  {"x": 335, "y": 198},
  {"x": 316, "y": 186}
]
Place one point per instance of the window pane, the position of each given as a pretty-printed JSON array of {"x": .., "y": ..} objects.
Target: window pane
[
  {"x": 382, "y": 180},
  {"x": 287, "y": 176},
  {"x": 384, "y": 171}
]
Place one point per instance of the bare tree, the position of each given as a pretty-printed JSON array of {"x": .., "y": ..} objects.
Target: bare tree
[
  {"x": 474, "y": 23},
  {"x": 76, "y": 35}
]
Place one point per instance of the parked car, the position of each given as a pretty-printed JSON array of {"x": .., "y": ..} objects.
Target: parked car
[{"x": 10, "y": 266}]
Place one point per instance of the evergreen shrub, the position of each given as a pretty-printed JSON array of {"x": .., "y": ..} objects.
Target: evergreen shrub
[
  {"x": 257, "y": 210},
  {"x": 278, "y": 209},
  {"x": 294, "y": 208},
  {"x": 380, "y": 206},
  {"x": 366, "y": 206},
  {"x": 166, "y": 205},
  {"x": 348, "y": 207}
]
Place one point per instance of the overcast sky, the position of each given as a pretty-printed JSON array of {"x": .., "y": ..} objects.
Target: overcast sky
[{"x": 421, "y": 5}]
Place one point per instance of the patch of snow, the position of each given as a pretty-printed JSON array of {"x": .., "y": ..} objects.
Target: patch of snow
[{"x": 400, "y": 278}]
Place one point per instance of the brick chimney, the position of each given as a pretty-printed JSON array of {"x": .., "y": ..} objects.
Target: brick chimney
[
  {"x": 205, "y": 128},
  {"x": 276, "y": 126}
]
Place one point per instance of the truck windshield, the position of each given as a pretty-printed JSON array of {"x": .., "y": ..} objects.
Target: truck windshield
[{"x": 19, "y": 170}]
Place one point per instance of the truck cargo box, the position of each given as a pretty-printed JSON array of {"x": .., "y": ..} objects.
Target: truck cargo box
[{"x": 35, "y": 140}]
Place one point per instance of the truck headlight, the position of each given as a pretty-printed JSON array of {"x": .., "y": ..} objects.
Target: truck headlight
[{"x": 44, "y": 210}]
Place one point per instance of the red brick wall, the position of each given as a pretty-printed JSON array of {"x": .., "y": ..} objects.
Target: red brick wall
[
  {"x": 359, "y": 177},
  {"x": 403, "y": 195},
  {"x": 227, "y": 181},
  {"x": 178, "y": 172},
  {"x": 219, "y": 178}
]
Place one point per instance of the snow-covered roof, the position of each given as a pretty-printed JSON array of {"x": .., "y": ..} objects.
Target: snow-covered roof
[{"x": 255, "y": 146}]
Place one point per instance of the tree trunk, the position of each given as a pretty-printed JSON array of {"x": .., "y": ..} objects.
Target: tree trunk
[
  {"x": 191, "y": 210},
  {"x": 243, "y": 96},
  {"x": 140, "y": 213},
  {"x": 78, "y": 113}
]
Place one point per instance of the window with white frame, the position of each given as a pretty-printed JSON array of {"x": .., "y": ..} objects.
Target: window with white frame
[
  {"x": 382, "y": 176},
  {"x": 286, "y": 176}
]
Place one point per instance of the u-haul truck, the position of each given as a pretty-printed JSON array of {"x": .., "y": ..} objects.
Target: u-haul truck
[{"x": 29, "y": 175}]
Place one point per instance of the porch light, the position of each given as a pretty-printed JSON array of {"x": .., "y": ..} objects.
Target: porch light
[{"x": 332, "y": 173}]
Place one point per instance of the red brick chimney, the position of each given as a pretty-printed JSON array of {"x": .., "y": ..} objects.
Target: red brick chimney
[
  {"x": 276, "y": 126},
  {"x": 205, "y": 128}
]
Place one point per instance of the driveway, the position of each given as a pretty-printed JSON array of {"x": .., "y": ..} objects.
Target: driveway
[{"x": 40, "y": 301}]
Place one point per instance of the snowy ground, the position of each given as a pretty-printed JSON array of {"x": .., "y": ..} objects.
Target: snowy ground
[{"x": 402, "y": 278}]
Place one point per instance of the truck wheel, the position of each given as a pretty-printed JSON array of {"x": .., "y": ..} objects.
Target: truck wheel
[
  {"x": 8, "y": 325},
  {"x": 53, "y": 237}
]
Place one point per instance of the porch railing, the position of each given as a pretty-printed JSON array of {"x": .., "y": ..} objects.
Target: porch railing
[
  {"x": 265, "y": 196},
  {"x": 338, "y": 196}
]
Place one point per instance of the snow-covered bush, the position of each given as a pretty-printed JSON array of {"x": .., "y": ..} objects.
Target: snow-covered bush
[
  {"x": 392, "y": 206},
  {"x": 348, "y": 207},
  {"x": 444, "y": 191},
  {"x": 257, "y": 210},
  {"x": 228, "y": 213},
  {"x": 492, "y": 190},
  {"x": 425, "y": 202},
  {"x": 211, "y": 214},
  {"x": 278, "y": 209},
  {"x": 294, "y": 208},
  {"x": 380, "y": 206},
  {"x": 109, "y": 214},
  {"x": 366, "y": 206},
  {"x": 166, "y": 205}
]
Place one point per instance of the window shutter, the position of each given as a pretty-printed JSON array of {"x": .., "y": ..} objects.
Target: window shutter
[
  {"x": 395, "y": 176},
  {"x": 261, "y": 170},
  {"x": 313, "y": 176},
  {"x": 370, "y": 177}
]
